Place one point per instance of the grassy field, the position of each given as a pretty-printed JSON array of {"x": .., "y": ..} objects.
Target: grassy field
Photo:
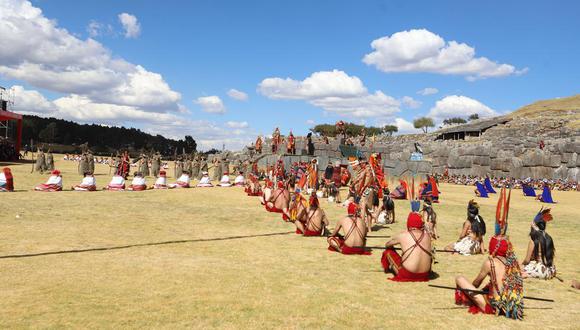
[{"x": 158, "y": 272}]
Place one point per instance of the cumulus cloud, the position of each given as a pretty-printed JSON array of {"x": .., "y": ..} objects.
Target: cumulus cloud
[
  {"x": 211, "y": 104},
  {"x": 237, "y": 124},
  {"x": 404, "y": 126},
  {"x": 459, "y": 106},
  {"x": 428, "y": 91},
  {"x": 310, "y": 122},
  {"x": 130, "y": 24},
  {"x": 410, "y": 102},
  {"x": 424, "y": 51},
  {"x": 237, "y": 95},
  {"x": 334, "y": 91},
  {"x": 49, "y": 57}
]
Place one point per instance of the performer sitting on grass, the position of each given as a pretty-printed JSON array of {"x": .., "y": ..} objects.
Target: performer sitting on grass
[
  {"x": 161, "y": 181},
  {"x": 504, "y": 294},
  {"x": 205, "y": 181},
  {"x": 480, "y": 190},
  {"x": 182, "y": 182},
  {"x": 54, "y": 183},
  {"x": 472, "y": 234},
  {"x": 278, "y": 201},
  {"x": 87, "y": 184},
  {"x": 414, "y": 263},
  {"x": 138, "y": 183},
  {"x": 354, "y": 239},
  {"x": 546, "y": 196},
  {"x": 316, "y": 220},
  {"x": 117, "y": 183},
  {"x": 239, "y": 181},
  {"x": 539, "y": 261},
  {"x": 6, "y": 180},
  {"x": 225, "y": 180}
]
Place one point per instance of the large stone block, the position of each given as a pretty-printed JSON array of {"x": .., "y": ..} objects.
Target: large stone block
[
  {"x": 561, "y": 172},
  {"x": 552, "y": 160},
  {"x": 533, "y": 158},
  {"x": 573, "y": 174}
]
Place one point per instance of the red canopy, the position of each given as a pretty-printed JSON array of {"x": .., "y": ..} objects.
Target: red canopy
[{"x": 7, "y": 115}]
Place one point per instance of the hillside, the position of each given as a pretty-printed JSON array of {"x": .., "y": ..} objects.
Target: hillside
[{"x": 565, "y": 108}]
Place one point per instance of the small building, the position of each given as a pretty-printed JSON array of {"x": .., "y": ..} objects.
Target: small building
[{"x": 474, "y": 128}]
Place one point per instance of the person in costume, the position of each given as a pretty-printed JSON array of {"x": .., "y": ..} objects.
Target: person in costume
[
  {"x": 88, "y": 183},
  {"x": 539, "y": 261},
  {"x": 54, "y": 183},
  {"x": 414, "y": 263},
  {"x": 205, "y": 181},
  {"x": 480, "y": 190},
  {"x": 258, "y": 145},
  {"x": 315, "y": 219},
  {"x": 239, "y": 180},
  {"x": 546, "y": 196},
  {"x": 504, "y": 293},
  {"x": 183, "y": 181},
  {"x": 276, "y": 140},
  {"x": 253, "y": 187},
  {"x": 387, "y": 211},
  {"x": 471, "y": 239},
  {"x": 161, "y": 181},
  {"x": 430, "y": 190},
  {"x": 138, "y": 183},
  {"x": 430, "y": 219},
  {"x": 6, "y": 180},
  {"x": 117, "y": 183},
  {"x": 400, "y": 191},
  {"x": 488, "y": 186},
  {"x": 355, "y": 231},
  {"x": 278, "y": 200},
  {"x": 528, "y": 188},
  {"x": 298, "y": 209},
  {"x": 291, "y": 144},
  {"x": 225, "y": 180}
]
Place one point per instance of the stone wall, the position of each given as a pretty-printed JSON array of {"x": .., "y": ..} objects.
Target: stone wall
[{"x": 510, "y": 150}]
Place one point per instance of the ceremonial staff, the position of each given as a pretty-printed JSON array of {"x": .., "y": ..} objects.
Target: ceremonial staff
[
  {"x": 32, "y": 152},
  {"x": 485, "y": 292}
]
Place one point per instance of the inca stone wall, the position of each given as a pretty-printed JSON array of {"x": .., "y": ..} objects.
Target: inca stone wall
[{"x": 509, "y": 150}]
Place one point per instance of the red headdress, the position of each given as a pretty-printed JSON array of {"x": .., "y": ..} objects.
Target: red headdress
[
  {"x": 55, "y": 172},
  {"x": 353, "y": 208},
  {"x": 414, "y": 220},
  {"x": 313, "y": 201}
]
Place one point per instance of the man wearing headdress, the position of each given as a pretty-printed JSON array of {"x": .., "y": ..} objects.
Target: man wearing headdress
[
  {"x": 278, "y": 200},
  {"x": 504, "y": 293},
  {"x": 355, "y": 232},
  {"x": 83, "y": 164},
  {"x": 178, "y": 167},
  {"x": 315, "y": 220},
  {"x": 40, "y": 165},
  {"x": 144, "y": 165},
  {"x": 91, "y": 161},
  {"x": 259, "y": 145},
  {"x": 291, "y": 144},
  {"x": 49, "y": 161},
  {"x": 539, "y": 261},
  {"x": 414, "y": 263},
  {"x": 276, "y": 140},
  {"x": 156, "y": 164}
]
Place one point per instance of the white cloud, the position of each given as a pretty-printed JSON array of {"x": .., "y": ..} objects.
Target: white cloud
[
  {"x": 237, "y": 124},
  {"x": 211, "y": 104},
  {"x": 459, "y": 106},
  {"x": 334, "y": 91},
  {"x": 428, "y": 91},
  {"x": 130, "y": 25},
  {"x": 237, "y": 95},
  {"x": 96, "y": 29},
  {"x": 310, "y": 122},
  {"x": 410, "y": 102},
  {"x": 31, "y": 102},
  {"x": 49, "y": 57},
  {"x": 424, "y": 51}
]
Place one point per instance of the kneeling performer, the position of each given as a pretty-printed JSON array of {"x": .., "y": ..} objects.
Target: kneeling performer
[
  {"x": 87, "y": 184},
  {"x": 355, "y": 229},
  {"x": 54, "y": 183},
  {"x": 182, "y": 182},
  {"x": 316, "y": 220}
]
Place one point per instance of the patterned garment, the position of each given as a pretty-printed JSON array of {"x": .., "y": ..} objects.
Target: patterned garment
[
  {"x": 467, "y": 246},
  {"x": 539, "y": 270}
]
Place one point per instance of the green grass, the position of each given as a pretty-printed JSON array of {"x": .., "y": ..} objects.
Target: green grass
[{"x": 278, "y": 281}]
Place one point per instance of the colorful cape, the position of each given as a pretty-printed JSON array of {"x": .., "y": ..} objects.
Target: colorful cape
[
  {"x": 488, "y": 186},
  {"x": 481, "y": 189},
  {"x": 528, "y": 190}
]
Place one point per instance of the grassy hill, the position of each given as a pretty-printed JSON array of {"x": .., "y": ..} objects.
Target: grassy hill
[{"x": 567, "y": 108}]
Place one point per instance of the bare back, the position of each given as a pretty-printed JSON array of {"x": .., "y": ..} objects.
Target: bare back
[
  {"x": 416, "y": 247},
  {"x": 354, "y": 231},
  {"x": 315, "y": 219},
  {"x": 280, "y": 198}
]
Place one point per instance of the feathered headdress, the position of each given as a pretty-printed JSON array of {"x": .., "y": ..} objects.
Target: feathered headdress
[
  {"x": 543, "y": 216},
  {"x": 502, "y": 212}
]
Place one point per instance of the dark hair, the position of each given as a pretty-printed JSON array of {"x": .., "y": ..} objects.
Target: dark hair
[
  {"x": 477, "y": 226},
  {"x": 544, "y": 243}
]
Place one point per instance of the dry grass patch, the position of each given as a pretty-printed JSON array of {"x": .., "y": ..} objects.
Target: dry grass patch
[{"x": 277, "y": 281}]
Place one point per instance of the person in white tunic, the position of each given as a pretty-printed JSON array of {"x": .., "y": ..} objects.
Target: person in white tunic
[
  {"x": 117, "y": 183},
  {"x": 183, "y": 181},
  {"x": 239, "y": 181},
  {"x": 539, "y": 261},
  {"x": 88, "y": 183},
  {"x": 471, "y": 237},
  {"x": 161, "y": 182},
  {"x": 54, "y": 183},
  {"x": 205, "y": 181},
  {"x": 225, "y": 181},
  {"x": 138, "y": 183}
]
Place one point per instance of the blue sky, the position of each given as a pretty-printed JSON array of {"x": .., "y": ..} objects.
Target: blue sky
[{"x": 506, "y": 55}]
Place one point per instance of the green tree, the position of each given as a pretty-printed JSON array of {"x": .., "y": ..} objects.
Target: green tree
[
  {"x": 473, "y": 117},
  {"x": 49, "y": 133},
  {"x": 454, "y": 120},
  {"x": 423, "y": 123},
  {"x": 389, "y": 130}
]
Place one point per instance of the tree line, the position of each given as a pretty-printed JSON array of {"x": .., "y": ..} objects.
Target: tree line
[{"x": 100, "y": 139}]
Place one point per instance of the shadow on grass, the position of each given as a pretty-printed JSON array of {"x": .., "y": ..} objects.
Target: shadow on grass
[
  {"x": 18, "y": 162},
  {"x": 121, "y": 247}
]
